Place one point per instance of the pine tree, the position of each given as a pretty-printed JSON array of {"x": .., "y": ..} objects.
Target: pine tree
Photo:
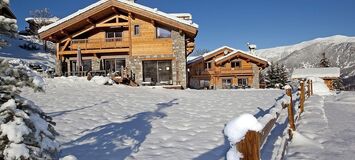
[
  {"x": 26, "y": 132},
  {"x": 277, "y": 76}
]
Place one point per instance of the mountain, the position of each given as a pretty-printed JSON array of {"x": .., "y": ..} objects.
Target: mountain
[{"x": 340, "y": 50}]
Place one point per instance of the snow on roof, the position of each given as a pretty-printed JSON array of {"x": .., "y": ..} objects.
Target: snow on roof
[
  {"x": 210, "y": 53},
  {"x": 36, "y": 20},
  {"x": 332, "y": 72},
  {"x": 133, "y": 4},
  {"x": 240, "y": 51}
]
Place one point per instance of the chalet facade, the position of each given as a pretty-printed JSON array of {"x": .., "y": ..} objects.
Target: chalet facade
[
  {"x": 127, "y": 38},
  {"x": 329, "y": 75},
  {"x": 225, "y": 68}
]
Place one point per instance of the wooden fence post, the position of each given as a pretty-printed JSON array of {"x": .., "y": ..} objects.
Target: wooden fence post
[
  {"x": 311, "y": 87},
  {"x": 250, "y": 146},
  {"x": 302, "y": 96},
  {"x": 291, "y": 119}
]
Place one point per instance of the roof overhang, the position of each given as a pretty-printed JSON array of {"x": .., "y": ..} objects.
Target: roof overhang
[
  {"x": 240, "y": 54},
  {"x": 55, "y": 30}
]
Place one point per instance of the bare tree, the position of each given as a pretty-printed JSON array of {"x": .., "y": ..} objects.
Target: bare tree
[{"x": 41, "y": 16}]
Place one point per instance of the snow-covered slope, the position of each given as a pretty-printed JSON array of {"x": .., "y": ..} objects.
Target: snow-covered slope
[
  {"x": 278, "y": 53},
  {"x": 340, "y": 50},
  {"x": 12, "y": 50}
]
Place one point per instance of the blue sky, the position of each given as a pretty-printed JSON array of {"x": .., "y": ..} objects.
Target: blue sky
[{"x": 267, "y": 23}]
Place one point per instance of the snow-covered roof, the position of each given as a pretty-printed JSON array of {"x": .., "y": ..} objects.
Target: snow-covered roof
[
  {"x": 36, "y": 20},
  {"x": 210, "y": 53},
  {"x": 133, "y": 4},
  {"x": 240, "y": 51},
  {"x": 332, "y": 72}
]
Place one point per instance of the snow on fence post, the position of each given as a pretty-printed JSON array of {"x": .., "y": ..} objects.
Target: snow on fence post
[
  {"x": 291, "y": 119},
  {"x": 303, "y": 97}
]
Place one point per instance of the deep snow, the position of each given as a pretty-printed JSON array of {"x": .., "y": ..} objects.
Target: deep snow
[
  {"x": 326, "y": 129},
  {"x": 119, "y": 122}
]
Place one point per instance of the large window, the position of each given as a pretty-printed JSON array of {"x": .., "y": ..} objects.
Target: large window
[
  {"x": 157, "y": 72},
  {"x": 114, "y": 65},
  {"x": 87, "y": 65},
  {"x": 163, "y": 33}
]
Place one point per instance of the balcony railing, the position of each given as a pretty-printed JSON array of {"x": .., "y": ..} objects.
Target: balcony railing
[{"x": 104, "y": 43}]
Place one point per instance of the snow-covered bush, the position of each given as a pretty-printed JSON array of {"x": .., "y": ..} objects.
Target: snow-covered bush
[
  {"x": 102, "y": 80},
  {"x": 8, "y": 25},
  {"x": 26, "y": 132}
]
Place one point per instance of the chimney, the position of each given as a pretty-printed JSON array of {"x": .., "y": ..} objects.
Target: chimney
[{"x": 252, "y": 48}]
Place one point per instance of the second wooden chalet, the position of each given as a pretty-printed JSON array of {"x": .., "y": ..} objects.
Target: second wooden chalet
[
  {"x": 112, "y": 35},
  {"x": 225, "y": 68}
]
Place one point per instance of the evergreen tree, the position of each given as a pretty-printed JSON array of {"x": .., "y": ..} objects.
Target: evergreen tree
[
  {"x": 276, "y": 76},
  {"x": 26, "y": 132}
]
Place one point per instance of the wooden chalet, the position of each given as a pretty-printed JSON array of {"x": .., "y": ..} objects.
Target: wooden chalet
[
  {"x": 329, "y": 75},
  {"x": 225, "y": 68},
  {"x": 126, "y": 38}
]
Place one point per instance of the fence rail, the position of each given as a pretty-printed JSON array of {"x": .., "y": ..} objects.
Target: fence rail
[{"x": 252, "y": 144}]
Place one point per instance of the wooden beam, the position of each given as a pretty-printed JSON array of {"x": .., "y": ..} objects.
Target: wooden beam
[
  {"x": 130, "y": 32},
  {"x": 57, "y": 50},
  {"x": 90, "y": 21},
  {"x": 91, "y": 27},
  {"x": 66, "y": 44},
  {"x": 124, "y": 24},
  {"x": 114, "y": 9},
  {"x": 118, "y": 50},
  {"x": 64, "y": 32}
]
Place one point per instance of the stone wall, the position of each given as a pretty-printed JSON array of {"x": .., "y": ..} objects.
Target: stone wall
[
  {"x": 256, "y": 77},
  {"x": 179, "y": 50}
]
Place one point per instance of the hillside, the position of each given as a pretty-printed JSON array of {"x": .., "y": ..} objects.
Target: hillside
[
  {"x": 339, "y": 49},
  {"x": 10, "y": 49}
]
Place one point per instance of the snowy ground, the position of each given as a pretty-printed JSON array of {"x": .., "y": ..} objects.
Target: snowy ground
[
  {"x": 13, "y": 51},
  {"x": 326, "y": 129},
  {"x": 118, "y": 122}
]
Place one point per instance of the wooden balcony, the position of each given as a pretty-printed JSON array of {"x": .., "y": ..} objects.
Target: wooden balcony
[
  {"x": 104, "y": 45},
  {"x": 99, "y": 44}
]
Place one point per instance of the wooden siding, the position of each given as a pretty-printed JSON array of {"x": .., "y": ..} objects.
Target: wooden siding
[{"x": 146, "y": 42}]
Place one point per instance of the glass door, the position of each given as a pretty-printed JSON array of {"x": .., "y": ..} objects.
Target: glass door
[
  {"x": 164, "y": 72},
  {"x": 227, "y": 83}
]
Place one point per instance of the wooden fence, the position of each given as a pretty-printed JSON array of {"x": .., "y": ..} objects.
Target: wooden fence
[{"x": 251, "y": 145}]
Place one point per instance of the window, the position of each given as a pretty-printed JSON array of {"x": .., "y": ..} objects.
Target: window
[
  {"x": 208, "y": 65},
  {"x": 113, "y": 35},
  {"x": 227, "y": 83},
  {"x": 136, "y": 30},
  {"x": 235, "y": 64},
  {"x": 163, "y": 33},
  {"x": 157, "y": 72},
  {"x": 243, "y": 82}
]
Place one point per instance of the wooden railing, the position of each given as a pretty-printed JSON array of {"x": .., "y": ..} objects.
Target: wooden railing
[
  {"x": 105, "y": 43},
  {"x": 252, "y": 144}
]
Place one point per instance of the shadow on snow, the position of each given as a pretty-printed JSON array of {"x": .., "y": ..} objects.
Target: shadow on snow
[
  {"x": 117, "y": 140},
  {"x": 60, "y": 113}
]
